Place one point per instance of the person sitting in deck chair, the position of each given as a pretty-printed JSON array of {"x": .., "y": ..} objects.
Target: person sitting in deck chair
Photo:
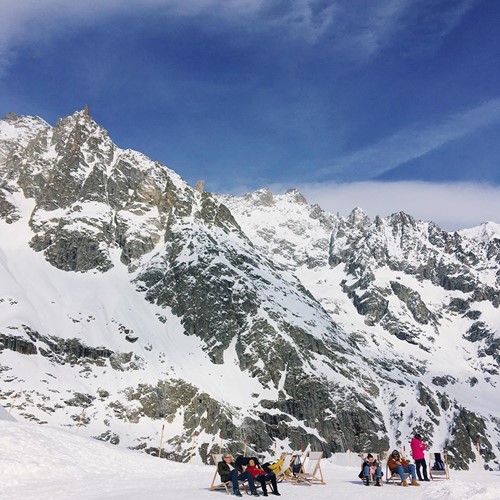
[
  {"x": 401, "y": 466},
  {"x": 371, "y": 467},
  {"x": 228, "y": 471},
  {"x": 263, "y": 476}
]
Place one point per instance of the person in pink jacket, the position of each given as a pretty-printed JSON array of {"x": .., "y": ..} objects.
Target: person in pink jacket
[{"x": 417, "y": 451}]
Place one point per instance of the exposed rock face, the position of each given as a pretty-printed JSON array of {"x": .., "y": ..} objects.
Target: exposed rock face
[
  {"x": 149, "y": 303},
  {"x": 412, "y": 295}
]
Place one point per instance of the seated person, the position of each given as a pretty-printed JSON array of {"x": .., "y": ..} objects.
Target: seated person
[
  {"x": 371, "y": 467},
  {"x": 228, "y": 471},
  {"x": 401, "y": 466},
  {"x": 263, "y": 476}
]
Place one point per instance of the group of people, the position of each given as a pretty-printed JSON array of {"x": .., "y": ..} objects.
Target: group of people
[
  {"x": 229, "y": 470},
  {"x": 248, "y": 469},
  {"x": 398, "y": 465}
]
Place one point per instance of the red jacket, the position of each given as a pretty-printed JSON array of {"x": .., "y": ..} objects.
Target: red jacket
[{"x": 255, "y": 471}]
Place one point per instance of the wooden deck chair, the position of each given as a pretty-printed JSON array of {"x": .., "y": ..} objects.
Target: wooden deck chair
[
  {"x": 216, "y": 458},
  {"x": 438, "y": 469},
  {"x": 285, "y": 473},
  {"x": 311, "y": 469},
  {"x": 393, "y": 477},
  {"x": 217, "y": 484}
]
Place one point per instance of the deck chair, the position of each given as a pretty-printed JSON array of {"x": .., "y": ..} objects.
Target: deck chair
[
  {"x": 285, "y": 473},
  {"x": 393, "y": 477},
  {"x": 217, "y": 484},
  {"x": 438, "y": 469},
  {"x": 311, "y": 469}
]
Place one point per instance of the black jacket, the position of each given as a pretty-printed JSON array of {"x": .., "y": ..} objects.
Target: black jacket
[{"x": 224, "y": 470}]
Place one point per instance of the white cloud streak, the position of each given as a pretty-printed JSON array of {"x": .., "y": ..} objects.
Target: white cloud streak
[
  {"x": 410, "y": 144},
  {"x": 452, "y": 206},
  {"x": 356, "y": 30}
]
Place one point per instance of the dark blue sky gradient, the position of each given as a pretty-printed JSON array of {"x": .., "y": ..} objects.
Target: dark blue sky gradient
[{"x": 254, "y": 99}]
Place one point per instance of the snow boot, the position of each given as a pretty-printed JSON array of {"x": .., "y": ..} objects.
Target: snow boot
[
  {"x": 404, "y": 483},
  {"x": 377, "y": 481},
  {"x": 366, "y": 480},
  {"x": 414, "y": 483},
  {"x": 237, "y": 493}
]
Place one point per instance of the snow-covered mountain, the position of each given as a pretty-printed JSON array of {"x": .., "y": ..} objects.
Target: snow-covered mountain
[{"x": 131, "y": 303}]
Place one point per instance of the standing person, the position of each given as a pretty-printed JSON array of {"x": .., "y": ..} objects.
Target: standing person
[
  {"x": 263, "y": 476},
  {"x": 228, "y": 471},
  {"x": 371, "y": 467},
  {"x": 402, "y": 466},
  {"x": 417, "y": 452}
]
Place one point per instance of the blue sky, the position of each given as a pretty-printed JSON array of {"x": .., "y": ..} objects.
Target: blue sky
[{"x": 378, "y": 95}]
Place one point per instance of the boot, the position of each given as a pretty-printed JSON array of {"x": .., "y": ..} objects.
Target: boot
[
  {"x": 237, "y": 493},
  {"x": 367, "y": 481},
  {"x": 255, "y": 493},
  {"x": 377, "y": 481},
  {"x": 414, "y": 483},
  {"x": 404, "y": 483}
]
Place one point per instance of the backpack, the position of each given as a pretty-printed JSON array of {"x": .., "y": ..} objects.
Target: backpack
[{"x": 297, "y": 465}]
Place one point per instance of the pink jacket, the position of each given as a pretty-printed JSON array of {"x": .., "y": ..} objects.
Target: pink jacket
[{"x": 417, "y": 449}]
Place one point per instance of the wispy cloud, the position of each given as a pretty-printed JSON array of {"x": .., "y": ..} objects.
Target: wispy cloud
[
  {"x": 353, "y": 29},
  {"x": 410, "y": 144},
  {"x": 29, "y": 21},
  {"x": 452, "y": 206}
]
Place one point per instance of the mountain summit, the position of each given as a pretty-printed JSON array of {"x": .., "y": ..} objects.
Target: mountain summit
[{"x": 133, "y": 306}]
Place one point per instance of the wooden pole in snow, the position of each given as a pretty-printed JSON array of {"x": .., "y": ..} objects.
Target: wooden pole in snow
[
  {"x": 193, "y": 440},
  {"x": 80, "y": 420},
  {"x": 161, "y": 440},
  {"x": 479, "y": 453},
  {"x": 12, "y": 402}
]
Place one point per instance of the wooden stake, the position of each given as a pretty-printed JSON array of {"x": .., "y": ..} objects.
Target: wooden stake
[
  {"x": 12, "y": 402},
  {"x": 479, "y": 453},
  {"x": 80, "y": 420},
  {"x": 161, "y": 440},
  {"x": 193, "y": 437}
]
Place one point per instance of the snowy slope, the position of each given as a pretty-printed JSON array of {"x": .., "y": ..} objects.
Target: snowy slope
[{"x": 43, "y": 462}]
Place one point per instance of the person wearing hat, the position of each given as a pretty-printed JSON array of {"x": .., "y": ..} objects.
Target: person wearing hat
[
  {"x": 400, "y": 465},
  {"x": 371, "y": 467}
]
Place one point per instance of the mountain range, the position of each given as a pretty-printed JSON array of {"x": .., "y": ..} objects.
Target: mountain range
[{"x": 144, "y": 312}]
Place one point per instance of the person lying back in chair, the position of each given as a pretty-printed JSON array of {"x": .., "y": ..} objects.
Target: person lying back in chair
[
  {"x": 263, "y": 476},
  {"x": 401, "y": 466},
  {"x": 228, "y": 471},
  {"x": 371, "y": 467}
]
